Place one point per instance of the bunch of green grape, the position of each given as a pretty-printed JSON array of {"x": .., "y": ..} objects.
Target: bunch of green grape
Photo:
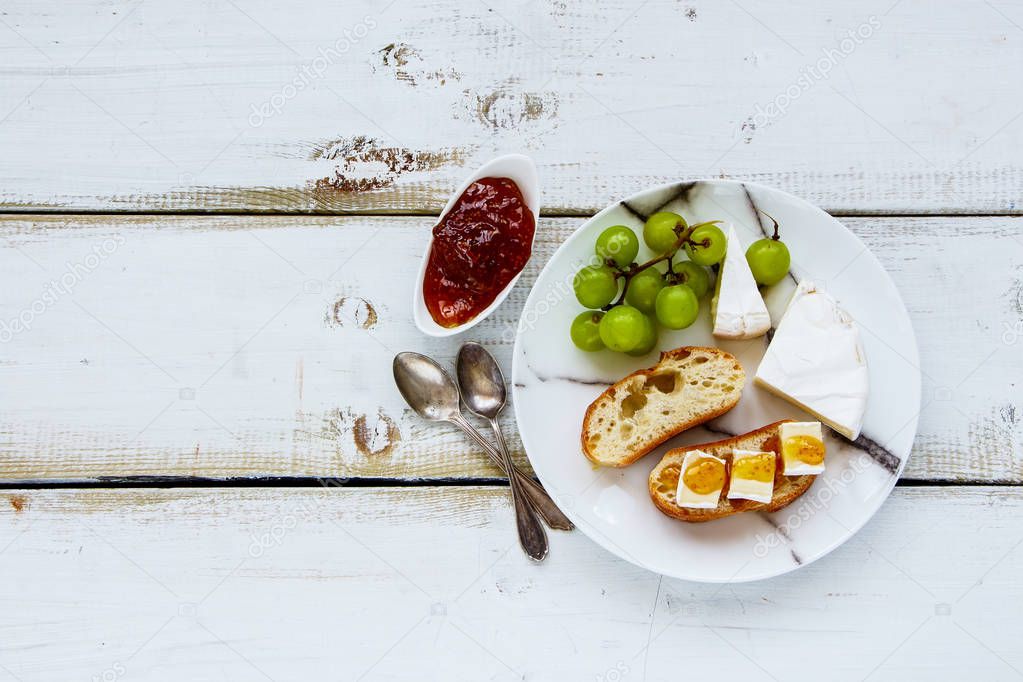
[{"x": 628, "y": 302}]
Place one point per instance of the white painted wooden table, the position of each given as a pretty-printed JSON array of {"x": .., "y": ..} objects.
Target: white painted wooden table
[{"x": 212, "y": 214}]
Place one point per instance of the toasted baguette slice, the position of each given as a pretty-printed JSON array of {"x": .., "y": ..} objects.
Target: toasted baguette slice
[
  {"x": 663, "y": 482},
  {"x": 689, "y": 386}
]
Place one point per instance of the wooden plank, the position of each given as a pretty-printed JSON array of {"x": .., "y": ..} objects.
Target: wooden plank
[
  {"x": 282, "y": 584},
  {"x": 383, "y": 107},
  {"x": 261, "y": 346}
]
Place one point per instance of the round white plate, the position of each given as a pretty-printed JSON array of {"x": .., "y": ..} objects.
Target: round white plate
[{"x": 554, "y": 382}]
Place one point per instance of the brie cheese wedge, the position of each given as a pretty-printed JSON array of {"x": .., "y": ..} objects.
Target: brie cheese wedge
[
  {"x": 816, "y": 361},
  {"x": 738, "y": 308}
]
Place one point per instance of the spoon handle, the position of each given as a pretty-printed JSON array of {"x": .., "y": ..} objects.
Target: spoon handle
[
  {"x": 539, "y": 498},
  {"x": 532, "y": 536},
  {"x": 552, "y": 516}
]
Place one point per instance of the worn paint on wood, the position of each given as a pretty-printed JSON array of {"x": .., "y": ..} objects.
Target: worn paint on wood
[
  {"x": 251, "y": 346},
  {"x": 260, "y": 583},
  {"x": 384, "y": 107}
]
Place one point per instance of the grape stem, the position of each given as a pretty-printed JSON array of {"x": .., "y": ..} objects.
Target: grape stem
[
  {"x": 776, "y": 236},
  {"x": 684, "y": 234}
]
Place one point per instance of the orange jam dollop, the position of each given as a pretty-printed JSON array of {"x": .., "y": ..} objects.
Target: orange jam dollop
[
  {"x": 755, "y": 467},
  {"x": 704, "y": 476},
  {"x": 806, "y": 449}
]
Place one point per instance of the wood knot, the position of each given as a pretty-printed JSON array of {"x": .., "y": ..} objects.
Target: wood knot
[
  {"x": 508, "y": 107},
  {"x": 408, "y": 66},
  {"x": 378, "y": 438},
  {"x": 352, "y": 311}
]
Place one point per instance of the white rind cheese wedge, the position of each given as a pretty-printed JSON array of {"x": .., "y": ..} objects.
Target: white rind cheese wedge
[
  {"x": 738, "y": 308},
  {"x": 816, "y": 361}
]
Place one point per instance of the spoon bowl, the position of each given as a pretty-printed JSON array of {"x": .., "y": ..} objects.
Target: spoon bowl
[
  {"x": 425, "y": 386},
  {"x": 522, "y": 171},
  {"x": 481, "y": 381}
]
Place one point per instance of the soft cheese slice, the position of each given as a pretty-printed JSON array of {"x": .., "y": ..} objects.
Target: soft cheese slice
[
  {"x": 816, "y": 361},
  {"x": 802, "y": 448},
  {"x": 701, "y": 480},
  {"x": 752, "y": 475},
  {"x": 738, "y": 308}
]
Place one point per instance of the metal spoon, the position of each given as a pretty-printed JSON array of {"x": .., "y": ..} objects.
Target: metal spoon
[
  {"x": 431, "y": 392},
  {"x": 541, "y": 501},
  {"x": 482, "y": 386},
  {"x": 483, "y": 392}
]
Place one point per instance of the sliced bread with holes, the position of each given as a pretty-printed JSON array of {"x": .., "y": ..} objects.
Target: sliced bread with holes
[
  {"x": 663, "y": 481},
  {"x": 689, "y": 386}
]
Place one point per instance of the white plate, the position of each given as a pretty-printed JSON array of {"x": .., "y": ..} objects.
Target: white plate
[{"x": 554, "y": 382}]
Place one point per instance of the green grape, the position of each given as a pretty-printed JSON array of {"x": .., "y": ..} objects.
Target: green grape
[
  {"x": 710, "y": 245},
  {"x": 643, "y": 288},
  {"x": 677, "y": 306},
  {"x": 621, "y": 328},
  {"x": 585, "y": 331},
  {"x": 619, "y": 244},
  {"x": 693, "y": 276},
  {"x": 769, "y": 260},
  {"x": 659, "y": 231},
  {"x": 649, "y": 339},
  {"x": 595, "y": 286}
]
